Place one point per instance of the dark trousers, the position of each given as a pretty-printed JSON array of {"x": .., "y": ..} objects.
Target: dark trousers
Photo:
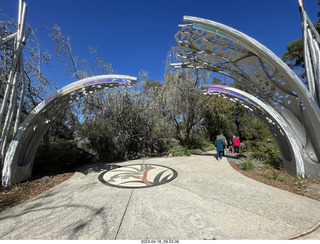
[
  {"x": 236, "y": 149},
  {"x": 219, "y": 154}
]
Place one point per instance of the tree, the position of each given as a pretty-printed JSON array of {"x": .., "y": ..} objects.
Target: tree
[
  {"x": 121, "y": 124},
  {"x": 182, "y": 102},
  {"x": 294, "y": 56},
  {"x": 219, "y": 117}
]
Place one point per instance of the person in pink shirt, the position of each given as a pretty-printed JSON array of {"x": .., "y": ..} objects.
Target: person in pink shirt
[{"x": 236, "y": 144}]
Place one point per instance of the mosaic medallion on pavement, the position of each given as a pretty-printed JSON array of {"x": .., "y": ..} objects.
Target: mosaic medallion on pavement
[{"x": 138, "y": 176}]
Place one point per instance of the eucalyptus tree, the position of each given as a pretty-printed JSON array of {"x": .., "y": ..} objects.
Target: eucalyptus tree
[
  {"x": 75, "y": 66},
  {"x": 121, "y": 123},
  {"x": 183, "y": 104},
  {"x": 117, "y": 122},
  {"x": 80, "y": 68}
]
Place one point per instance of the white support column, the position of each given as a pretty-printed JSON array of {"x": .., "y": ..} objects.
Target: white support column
[{"x": 10, "y": 100}]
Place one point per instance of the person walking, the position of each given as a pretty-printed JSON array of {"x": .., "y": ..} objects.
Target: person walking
[
  {"x": 225, "y": 143},
  {"x": 236, "y": 143},
  {"x": 233, "y": 143},
  {"x": 219, "y": 143}
]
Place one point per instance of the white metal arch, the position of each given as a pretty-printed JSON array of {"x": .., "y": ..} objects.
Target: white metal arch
[
  {"x": 19, "y": 158},
  {"x": 289, "y": 145},
  {"x": 219, "y": 48}
]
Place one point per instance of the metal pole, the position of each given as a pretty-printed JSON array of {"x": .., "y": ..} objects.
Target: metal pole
[
  {"x": 311, "y": 52},
  {"x": 23, "y": 88},
  {"x": 13, "y": 81}
]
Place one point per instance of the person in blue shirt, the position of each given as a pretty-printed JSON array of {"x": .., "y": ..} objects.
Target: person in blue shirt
[{"x": 219, "y": 143}]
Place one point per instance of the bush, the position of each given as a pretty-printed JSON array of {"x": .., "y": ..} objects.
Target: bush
[
  {"x": 267, "y": 152},
  {"x": 259, "y": 155},
  {"x": 274, "y": 158},
  {"x": 58, "y": 155},
  {"x": 207, "y": 146},
  {"x": 177, "y": 150}
]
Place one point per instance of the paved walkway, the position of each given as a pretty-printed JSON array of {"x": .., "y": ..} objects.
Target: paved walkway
[{"x": 208, "y": 199}]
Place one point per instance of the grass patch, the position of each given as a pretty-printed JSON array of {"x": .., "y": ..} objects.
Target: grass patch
[
  {"x": 19, "y": 186},
  {"x": 250, "y": 163},
  {"x": 276, "y": 176},
  {"x": 246, "y": 164}
]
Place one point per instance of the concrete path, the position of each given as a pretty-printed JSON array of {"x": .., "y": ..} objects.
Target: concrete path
[{"x": 207, "y": 200}]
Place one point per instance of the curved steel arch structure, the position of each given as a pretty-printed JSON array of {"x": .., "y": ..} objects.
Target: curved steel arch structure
[
  {"x": 219, "y": 48},
  {"x": 19, "y": 158},
  {"x": 282, "y": 132}
]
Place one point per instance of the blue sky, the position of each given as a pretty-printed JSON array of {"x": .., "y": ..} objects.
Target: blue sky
[{"x": 135, "y": 35}]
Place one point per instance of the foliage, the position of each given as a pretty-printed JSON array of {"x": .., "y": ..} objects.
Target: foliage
[
  {"x": 250, "y": 163},
  {"x": 207, "y": 146},
  {"x": 267, "y": 151},
  {"x": 198, "y": 138},
  {"x": 122, "y": 124},
  {"x": 58, "y": 155},
  {"x": 247, "y": 164},
  {"x": 219, "y": 117},
  {"x": 178, "y": 150},
  {"x": 274, "y": 158},
  {"x": 274, "y": 176},
  {"x": 181, "y": 87},
  {"x": 294, "y": 54},
  {"x": 20, "y": 186},
  {"x": 75, "y": 66}
]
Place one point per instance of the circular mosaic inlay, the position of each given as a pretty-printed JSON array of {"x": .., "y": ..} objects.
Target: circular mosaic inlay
[{"x": 138, "y": 176}]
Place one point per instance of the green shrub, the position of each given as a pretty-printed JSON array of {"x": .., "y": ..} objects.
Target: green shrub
[
  {"x": 274, "y": 158},
  {"x": 177, "y": 150},
  {"x": 200, "y": 147},
  {"x": 207, "y": 146},
  {"x": 259, "y": 155},
  {"x": 265, "y": 151},
  {"x": 253, "y": 145}
]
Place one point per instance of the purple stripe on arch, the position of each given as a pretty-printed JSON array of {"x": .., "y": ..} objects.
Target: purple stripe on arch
[
  {"x": 215, "y": 89},
  {"x": 105, "y": 81}
]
